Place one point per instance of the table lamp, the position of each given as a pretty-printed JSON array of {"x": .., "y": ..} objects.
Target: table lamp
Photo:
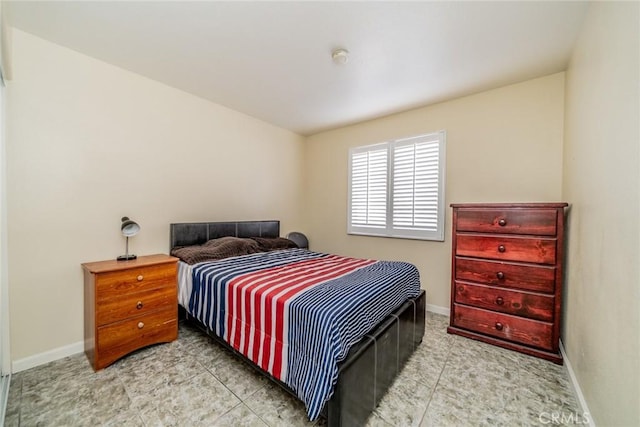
[{"x": 129, "y": 228}]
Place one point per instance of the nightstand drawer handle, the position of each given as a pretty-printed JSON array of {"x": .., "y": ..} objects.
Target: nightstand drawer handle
[
  {"x": 140, "y": 325},
  {"x": 139, "y": 305},
  {"x": 140, "y": 277},
  {"x": 499, "y": 301},
  {"x": 500, "y": 275},
  {"x": 499, "y": 326},
  {"x": 502, "y": 222},
  {"x": 501, "y": 248}
]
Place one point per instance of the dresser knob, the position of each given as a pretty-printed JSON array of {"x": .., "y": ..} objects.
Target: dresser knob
[
  {"x": 500, "y": 275},
  {"x": 502, "y": 222},
  {"x": 140, "y": 277},
  {"x": 140, "y": 325},
  {"x": 499, "y": 326},
  {"x": 501, "y": 248},
  {"x": 499, "y": 301},
  {"x": 139, "y": 305}
]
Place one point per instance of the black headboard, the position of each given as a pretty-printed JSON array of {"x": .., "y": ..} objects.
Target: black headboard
[{"x": 197, "y": 233}]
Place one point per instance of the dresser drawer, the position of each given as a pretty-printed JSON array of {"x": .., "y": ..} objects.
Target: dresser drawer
[
  {"x": 118, "y": 339},
  {"x": 513, "y": 328},
  {"x": 115, "y": 283},
  {"x": 139, "y": 303},
  {"x": 540, "y": 222},
  {"x": 508, "y": 248},
  {"x": 539, "y": 278},
  {"x": 525, "y": 304}
]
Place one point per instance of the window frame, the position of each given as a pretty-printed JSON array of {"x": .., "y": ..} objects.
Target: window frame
[{"x": 389, "y": 230}]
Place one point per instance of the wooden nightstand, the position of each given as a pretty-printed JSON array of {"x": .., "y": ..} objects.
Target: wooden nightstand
[{"x": 128, "y": 305}]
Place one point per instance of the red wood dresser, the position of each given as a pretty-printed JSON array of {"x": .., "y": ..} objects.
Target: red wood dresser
[{"x": 506, "y": 275}]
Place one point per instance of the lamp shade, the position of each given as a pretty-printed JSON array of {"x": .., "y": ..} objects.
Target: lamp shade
[{"x": 129, "y": 228}]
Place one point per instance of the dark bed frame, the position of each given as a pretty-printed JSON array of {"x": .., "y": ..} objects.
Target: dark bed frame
[{"x": 371, "y": 365}]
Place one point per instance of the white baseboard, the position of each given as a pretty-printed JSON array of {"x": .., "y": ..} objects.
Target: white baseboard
[
  {"x": 47, "y": 356},
  {"x": 576, "y": 387},
  {"x": 446, "y": 311}
]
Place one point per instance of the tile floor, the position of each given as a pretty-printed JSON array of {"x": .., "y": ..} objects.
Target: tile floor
[{"x": 449, "y": 381}]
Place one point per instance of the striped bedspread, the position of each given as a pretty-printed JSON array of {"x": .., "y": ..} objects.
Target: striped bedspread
[{"x": 296, "y": 313}]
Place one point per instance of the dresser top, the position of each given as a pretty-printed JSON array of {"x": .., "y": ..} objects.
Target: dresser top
[
  {"x": 115, "y": 265},
  {"x": 553, "y": 205}
]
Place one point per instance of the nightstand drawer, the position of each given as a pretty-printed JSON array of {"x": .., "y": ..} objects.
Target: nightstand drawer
[
  {"x": 525, "y": 304},
  {"x": 140, "y": 303},
  {"x": 537, "y": 250},
  {"x": 118, "y": 339},
  {"x": 517, "y": 329},
  {"x": 540, "y": 278},
  {"x": 115, "y": 283},
  {"x": 540, "y": 222}
]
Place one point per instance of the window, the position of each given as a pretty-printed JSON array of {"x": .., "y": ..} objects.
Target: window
[{"x": 396, "y": 189}]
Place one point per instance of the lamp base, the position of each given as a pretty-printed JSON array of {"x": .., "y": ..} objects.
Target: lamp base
[{"x": 126, "y": 257}]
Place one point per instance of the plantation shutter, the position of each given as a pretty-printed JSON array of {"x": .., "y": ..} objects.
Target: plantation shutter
[
  {"x": 396, "y": 189},
  {"x": 416, "y": 183},
  {"x": 369, "y": 187}
]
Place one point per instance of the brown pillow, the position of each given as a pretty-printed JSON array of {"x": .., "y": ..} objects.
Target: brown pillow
[
  {"x": 274, "y": 243},
  {"x": 230, "y": 241},
  {"x": 223, "y": 247}
]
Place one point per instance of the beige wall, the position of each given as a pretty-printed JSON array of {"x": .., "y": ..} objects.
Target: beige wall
[
  {"x": 89, "y": 143},
  {"x": 602, "y": 182},
  {"x": 503, "y": 145}
]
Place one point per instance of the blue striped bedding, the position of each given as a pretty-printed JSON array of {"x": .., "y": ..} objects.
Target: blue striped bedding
[{"x": 296, "y": 313}]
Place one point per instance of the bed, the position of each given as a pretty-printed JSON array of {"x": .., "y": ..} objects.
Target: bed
[{"x": 355, "y": 361}]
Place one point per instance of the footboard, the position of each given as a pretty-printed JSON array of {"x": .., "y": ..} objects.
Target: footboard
[{"x": 372, "y": 365}]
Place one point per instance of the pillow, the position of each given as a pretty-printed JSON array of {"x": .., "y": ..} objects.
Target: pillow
[
  {"x": 230, "y": 241},
  {"x": 274, "y": 243},
  {"x": 214, "y": 249}
]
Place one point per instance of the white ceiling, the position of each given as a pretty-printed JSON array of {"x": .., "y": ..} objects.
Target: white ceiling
[{"x": 272, "y": 60}]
